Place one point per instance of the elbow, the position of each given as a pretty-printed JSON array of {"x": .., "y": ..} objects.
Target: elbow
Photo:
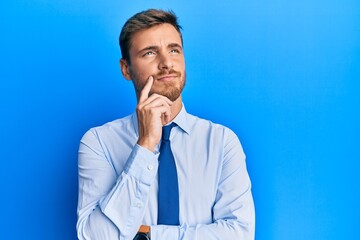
[
  {"x": 80, "y": 229},
  {"x": 96, "y": 226}
]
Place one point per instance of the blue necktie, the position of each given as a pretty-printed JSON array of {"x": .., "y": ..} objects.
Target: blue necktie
[{"x": 168, "y": 196}]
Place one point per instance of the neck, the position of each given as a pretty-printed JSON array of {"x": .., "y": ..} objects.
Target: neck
[{"x": 176, "y": 108}]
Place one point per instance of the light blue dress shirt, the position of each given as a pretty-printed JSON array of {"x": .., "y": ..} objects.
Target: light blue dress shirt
[{"x": 118, "y": 183}]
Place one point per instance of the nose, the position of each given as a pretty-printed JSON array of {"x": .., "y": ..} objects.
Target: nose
[{"x": 165, "y": 62}]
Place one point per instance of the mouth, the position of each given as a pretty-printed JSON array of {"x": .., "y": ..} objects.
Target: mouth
[{"x": 167, "y": 78}]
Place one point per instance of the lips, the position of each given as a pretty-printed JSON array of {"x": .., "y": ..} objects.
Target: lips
[{"x": 167, "y": 78}]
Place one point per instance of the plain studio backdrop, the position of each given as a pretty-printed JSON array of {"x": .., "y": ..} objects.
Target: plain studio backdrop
[{"x": 284, "y": 75}]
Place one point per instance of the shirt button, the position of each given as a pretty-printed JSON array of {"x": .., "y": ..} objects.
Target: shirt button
[
  {"x": 139, "y": 205},
  {"x": 150, "y": 167}
]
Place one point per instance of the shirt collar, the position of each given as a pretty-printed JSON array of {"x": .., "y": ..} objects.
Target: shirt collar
[{"x": 181, "y": 120}]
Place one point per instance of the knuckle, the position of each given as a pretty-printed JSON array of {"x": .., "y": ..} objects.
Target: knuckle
[{"x": 152, "y": 110}]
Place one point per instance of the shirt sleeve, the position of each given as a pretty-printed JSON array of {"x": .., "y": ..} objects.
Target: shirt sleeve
[
  {"x": 111, "y": 205},
  {"x": 233, "y": 211}
]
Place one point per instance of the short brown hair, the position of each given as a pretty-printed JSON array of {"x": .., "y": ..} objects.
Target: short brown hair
[{"x": 145, "y": 20}]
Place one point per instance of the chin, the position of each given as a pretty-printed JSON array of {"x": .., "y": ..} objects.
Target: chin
[{"x": 172, "y": 95}]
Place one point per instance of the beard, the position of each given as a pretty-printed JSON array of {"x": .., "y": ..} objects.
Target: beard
[{"x": 172, "y": 90}]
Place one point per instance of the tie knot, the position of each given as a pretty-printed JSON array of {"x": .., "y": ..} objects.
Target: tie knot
[{"x": 166, "y": 131}]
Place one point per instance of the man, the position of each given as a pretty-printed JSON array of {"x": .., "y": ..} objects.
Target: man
[{"x": 192, "y": 184}]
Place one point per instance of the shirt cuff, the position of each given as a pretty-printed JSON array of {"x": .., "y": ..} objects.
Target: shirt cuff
[{"x": 142, "y": 165}]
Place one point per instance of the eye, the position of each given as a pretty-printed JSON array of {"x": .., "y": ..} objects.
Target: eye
[
  {"x": 175, "y": 50},
  {"x": 148, "y": 53}
]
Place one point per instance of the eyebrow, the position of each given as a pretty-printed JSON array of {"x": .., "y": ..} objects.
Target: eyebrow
[{"x": 172, "y": 45}]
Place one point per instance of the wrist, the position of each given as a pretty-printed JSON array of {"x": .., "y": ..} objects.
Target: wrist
[
  {"x": 147, "y": 144},
  {"x": 143, "y": 233}
]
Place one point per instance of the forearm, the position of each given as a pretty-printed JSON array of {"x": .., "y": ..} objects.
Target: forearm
[
  {"x": 237, "y": 221},
  {"x": 111, "y": 206},
  {"x": 234, "y": 218},
  {"x": 221, "y": 229},
  {"x": 118, "y": 214}
]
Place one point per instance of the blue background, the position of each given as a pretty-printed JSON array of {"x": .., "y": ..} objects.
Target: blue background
[{"x": 284, "y": 75}]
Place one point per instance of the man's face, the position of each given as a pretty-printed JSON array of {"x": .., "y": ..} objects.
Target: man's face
[{"x": 157, "y": 52}]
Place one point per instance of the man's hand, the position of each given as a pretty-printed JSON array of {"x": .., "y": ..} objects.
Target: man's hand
[{"x": 153, "y": 112}]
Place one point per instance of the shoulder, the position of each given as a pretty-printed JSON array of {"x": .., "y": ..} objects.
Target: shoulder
[
  {"x": 114, "y": 127},
  {"x": 198, "y": 124},
  {"x": 216, "y": 135}
]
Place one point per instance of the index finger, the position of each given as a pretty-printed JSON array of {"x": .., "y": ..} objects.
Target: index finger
[{"x": 146, "y": 90}]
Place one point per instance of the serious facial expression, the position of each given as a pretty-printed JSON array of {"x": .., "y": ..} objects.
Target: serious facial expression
[{"x": 157, "y": 52}]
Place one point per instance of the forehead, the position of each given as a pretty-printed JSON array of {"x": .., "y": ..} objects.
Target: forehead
[{"x": 159, "y": 35}]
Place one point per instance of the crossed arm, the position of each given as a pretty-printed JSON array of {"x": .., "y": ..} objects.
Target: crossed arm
[{"x": 112, "y": 205}]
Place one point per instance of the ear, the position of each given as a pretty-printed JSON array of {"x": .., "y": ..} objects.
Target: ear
[{"x": 124, "y": 67}]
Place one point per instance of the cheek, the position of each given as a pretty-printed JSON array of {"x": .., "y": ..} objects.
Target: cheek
[
  {"x": 143, "y": 70},
  {"x": 181, "y": 64},
  {"x": 139, "y": 76},
  {"x": 136, "y": 73}
]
